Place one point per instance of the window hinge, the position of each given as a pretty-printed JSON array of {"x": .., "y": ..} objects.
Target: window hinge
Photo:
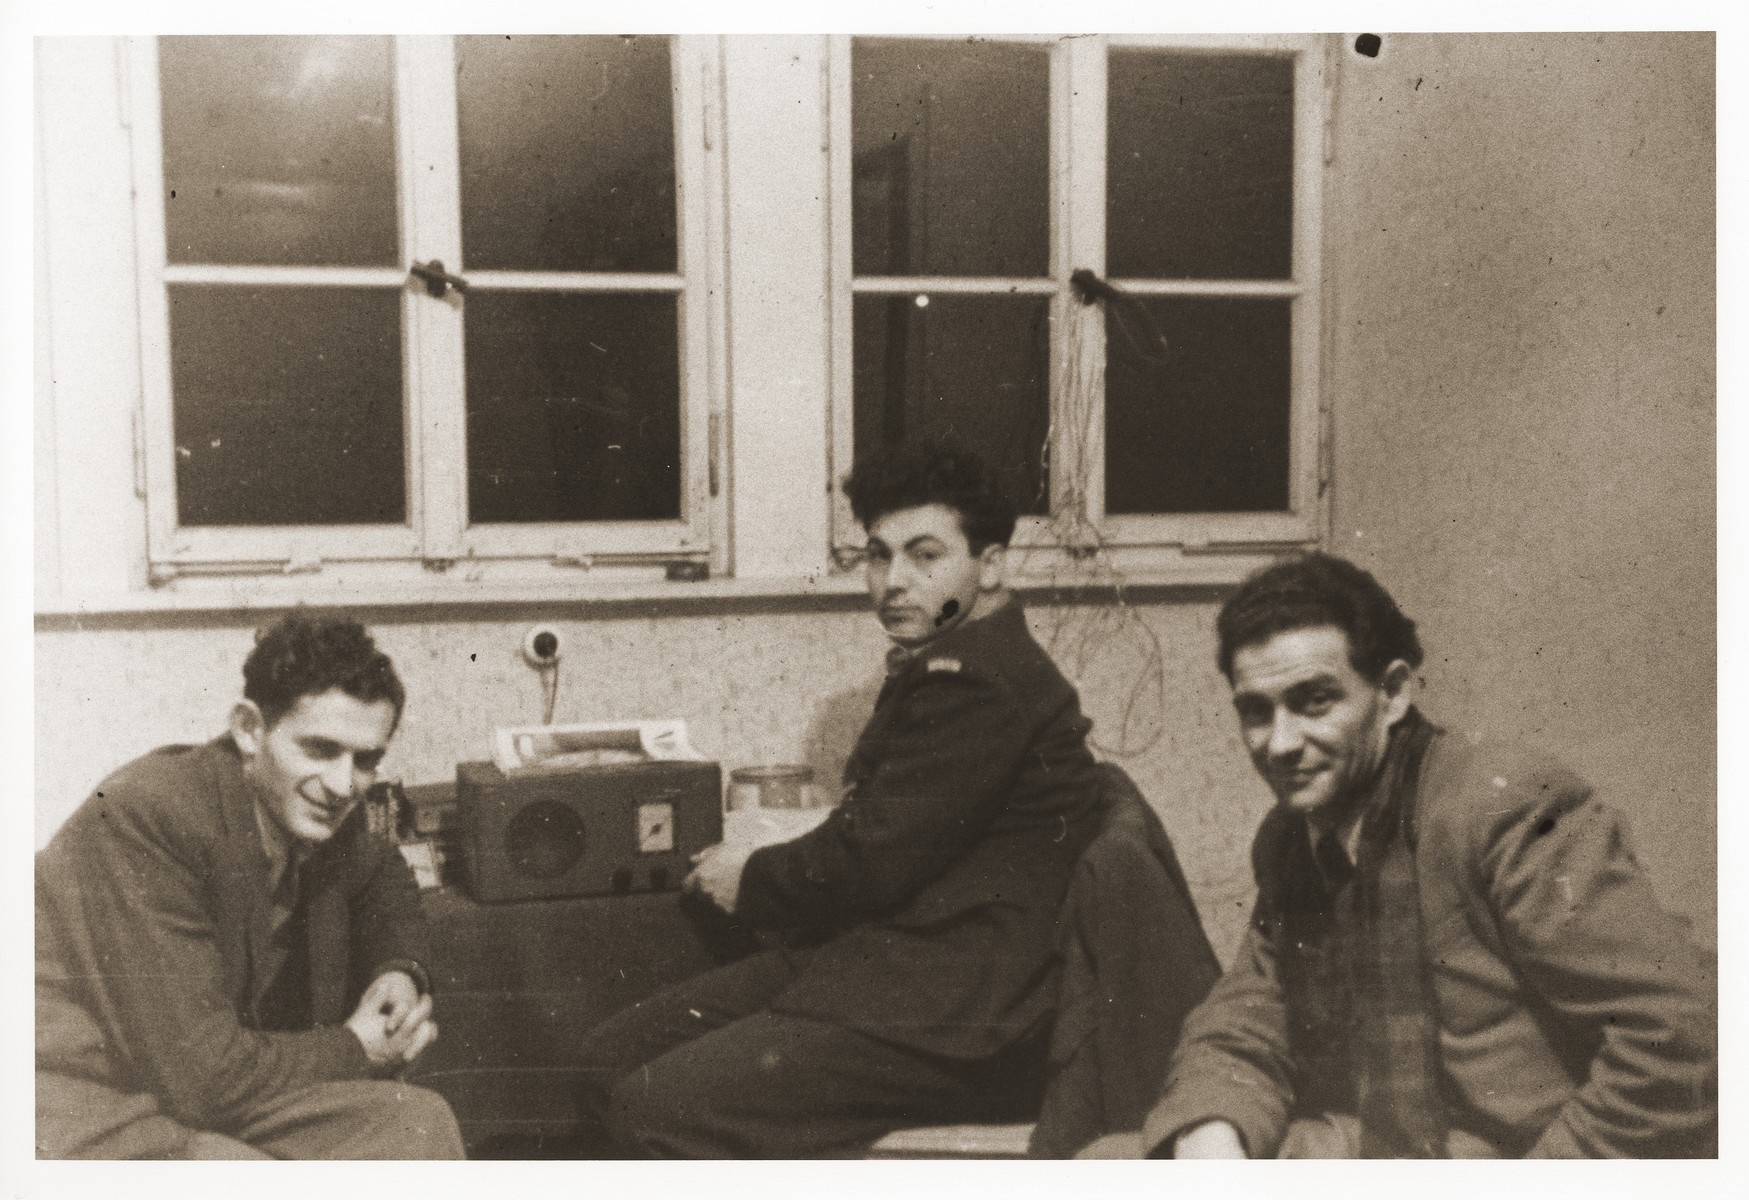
[
  {"x": 707, "y": 82},
  {"x": 437, "y": 566},
  {"x": 139, "y": 454},
  {"x": 714, "y": 435},
  {"x": 826, "y": 98},
  {"x": 582, "y": 562}
]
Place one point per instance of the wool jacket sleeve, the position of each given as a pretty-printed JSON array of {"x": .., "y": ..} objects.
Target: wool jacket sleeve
[
  {"x": 133, "y": 895},
  {"x": 1589, "y": 939},
  {"x": 939, "y": 767},
  {"x": 387, "y": 923},
  {"x": 1232, "y": 1063}
]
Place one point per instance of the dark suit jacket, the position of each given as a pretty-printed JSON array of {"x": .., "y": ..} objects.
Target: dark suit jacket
[
  {"x": 154, "y": 946},
  {"x": 932, "y": 891},
  {"x": 1135, "y": 963}
]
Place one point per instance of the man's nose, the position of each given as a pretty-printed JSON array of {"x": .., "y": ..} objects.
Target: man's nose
[
  {"x": 900, "y": 575},
  {"x": 1285, "y": 736},
  {"x": 338, "y": 776}
]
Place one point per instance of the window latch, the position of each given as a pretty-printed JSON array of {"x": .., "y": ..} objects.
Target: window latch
[{"x": 437, "y": 280}]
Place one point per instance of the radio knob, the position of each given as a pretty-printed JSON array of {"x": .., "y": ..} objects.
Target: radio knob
[{"x": 622, "y": 880}]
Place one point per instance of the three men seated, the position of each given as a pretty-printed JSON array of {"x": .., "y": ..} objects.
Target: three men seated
[{"x": 1452, "y": 951}]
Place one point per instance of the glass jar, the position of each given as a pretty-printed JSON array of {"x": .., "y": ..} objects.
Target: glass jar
[{"x": 786, "y": 786}]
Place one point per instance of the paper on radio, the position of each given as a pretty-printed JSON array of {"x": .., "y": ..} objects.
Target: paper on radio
[{"x": 523, "y": 748}]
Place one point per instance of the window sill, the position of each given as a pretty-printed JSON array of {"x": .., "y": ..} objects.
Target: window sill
[{"x": 1178, "y": 577}]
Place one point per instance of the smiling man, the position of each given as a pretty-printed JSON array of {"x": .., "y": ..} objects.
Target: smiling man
[
  {"x": 1453, "y": 951},
  {"x": 228, "y": 959},
  {"x": 917, "y": 976}
]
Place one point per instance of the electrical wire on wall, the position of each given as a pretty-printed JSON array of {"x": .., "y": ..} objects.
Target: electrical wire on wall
[
  {"x": 1083, "y": 637},
  {"x": 549, "y": 686}
]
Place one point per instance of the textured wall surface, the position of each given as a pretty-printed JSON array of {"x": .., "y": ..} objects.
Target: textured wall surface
[
  {"x": 1524, "y": 399},
  {"x": 754, "y": 687}
]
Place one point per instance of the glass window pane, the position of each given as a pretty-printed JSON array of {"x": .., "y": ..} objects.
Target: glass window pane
[
  {"x": 279, "y": 150},
  {"x": 567, "y": 153},
  {"x": 1200, "y": 166},
  {"x": 287, "y": 405},
  {"x": 951, "y": 153},
  {"x": 973, "y": 369},
  {"x": 1202, "y": 426},
  {"x": 573, "y": 407}
]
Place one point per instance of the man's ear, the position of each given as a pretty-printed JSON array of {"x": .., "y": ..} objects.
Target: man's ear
[
  {"x": 248, "y": 727},
  {"x": 992, "y": 567},
  {"x": 1397, "y": 683}
]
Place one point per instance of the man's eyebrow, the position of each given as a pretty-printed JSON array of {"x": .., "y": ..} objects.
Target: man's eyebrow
[
  {"x": 1298, "y": 687},
  {"x": 921, "y": 538}
]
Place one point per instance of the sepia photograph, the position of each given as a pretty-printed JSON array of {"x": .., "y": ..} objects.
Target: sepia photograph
[{"x": 922, "y": 591}]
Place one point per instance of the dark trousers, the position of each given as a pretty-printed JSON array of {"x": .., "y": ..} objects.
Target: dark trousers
[{"x": 705, "y": 1070}]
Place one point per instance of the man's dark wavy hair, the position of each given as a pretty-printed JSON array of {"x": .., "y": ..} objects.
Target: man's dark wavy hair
[
  {"x": 301, "y": 655},
  {"x": 1319, "y": 589},
  {"x": 894, "y": 478}
]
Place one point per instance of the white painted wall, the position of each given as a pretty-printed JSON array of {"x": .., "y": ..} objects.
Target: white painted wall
[{"x": 1526, "y": 399}]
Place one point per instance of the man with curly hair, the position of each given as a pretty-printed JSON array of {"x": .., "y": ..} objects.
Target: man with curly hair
[
  {"x": 229, "y": 961},
  {"x": 916, "y": 972}
]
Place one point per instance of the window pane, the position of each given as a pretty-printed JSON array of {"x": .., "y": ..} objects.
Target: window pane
[
  {"x": 279, "y": 150},
  {"x": 1200, "y": 156},
  {"x": 1203, "y": 426},
  {"x": 950, "y": 144},
  {"x": 567, "y": 153},
  {"x": 573, "y": 407},
  {"x": 287, "y": 405},
  {"x": 975, "y": 369}
]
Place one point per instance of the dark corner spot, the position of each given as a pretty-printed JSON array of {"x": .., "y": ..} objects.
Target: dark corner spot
[{"x": 1368, "y": 44}]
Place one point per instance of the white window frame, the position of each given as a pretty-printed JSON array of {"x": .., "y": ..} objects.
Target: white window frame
[
  {"x": 437, "y": 533},
  {"x": 1139, "y": 542}
]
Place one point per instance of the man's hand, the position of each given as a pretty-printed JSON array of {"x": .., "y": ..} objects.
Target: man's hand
[
  {"x": 716, "y": 872},
  {"x": 393, "y": 1021},
  {"x": 1211, "y": 1139}
]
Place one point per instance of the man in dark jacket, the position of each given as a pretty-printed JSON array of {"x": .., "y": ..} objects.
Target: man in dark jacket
[
  {"x": 228, "y": 958},
  {"x": 917, "y": 972}
]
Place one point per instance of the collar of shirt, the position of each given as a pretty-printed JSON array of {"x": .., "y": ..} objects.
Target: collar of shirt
[
  {"x": 898, "y": 656},
  {"x": 283, "y": 851},
  {"x": 1347, "y": 836}
]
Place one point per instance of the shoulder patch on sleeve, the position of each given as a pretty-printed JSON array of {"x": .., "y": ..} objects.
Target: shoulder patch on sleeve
[{"x": 942, "y": 664}]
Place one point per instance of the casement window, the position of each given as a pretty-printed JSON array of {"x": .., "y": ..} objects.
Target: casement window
[
  {"x": 425, "y": 300},
  {"x": 974, "y": 181}
]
